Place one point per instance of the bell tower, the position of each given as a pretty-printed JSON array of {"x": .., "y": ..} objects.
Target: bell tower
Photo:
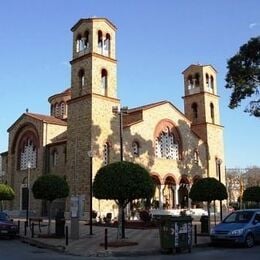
[
  {"x": 93, "y": 94},
  {"x": 201, "y": 107}
]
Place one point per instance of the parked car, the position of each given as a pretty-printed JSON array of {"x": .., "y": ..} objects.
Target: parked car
[
  {"x": 241, "y": 227},
  {"x": 7, "y": 227}
]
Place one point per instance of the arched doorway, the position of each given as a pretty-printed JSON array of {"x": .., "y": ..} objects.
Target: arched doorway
[
  {"x": 156, "y": 203},
  {"x": 195, "y": 204},
  {"x": 169, "y": 193},
  {"x": 183, "y": 192}
]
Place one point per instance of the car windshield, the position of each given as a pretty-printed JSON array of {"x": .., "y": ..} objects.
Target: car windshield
[
  {"x": 239, "y": 217},
  {"x": 3, "y": 216}
]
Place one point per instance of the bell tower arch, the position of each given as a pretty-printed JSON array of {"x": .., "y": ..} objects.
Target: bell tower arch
[
  {"x": 93, "y": 94},
  {"x": 201, "y": 107}
]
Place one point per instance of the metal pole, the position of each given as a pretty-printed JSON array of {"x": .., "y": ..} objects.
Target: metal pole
[
  {"x": 90, "y": 195},
  {"x": 105, "y": 239},
  {"x": 67, "y": 235},
  {"x": 219, "y": 176},
  {"x": 121, "y": 134},
  {"x": 28, "y": 192}
]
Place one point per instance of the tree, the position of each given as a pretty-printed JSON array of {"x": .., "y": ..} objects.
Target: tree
[
  {"x": 252, "y": 194},
  {"x": 243, "y": 76},
  {"x": 123, "y": 182},
  {"x": 208, "y": 190},
  {"x": 50, "y": 187},
  {"x": 6, "y": 193}
]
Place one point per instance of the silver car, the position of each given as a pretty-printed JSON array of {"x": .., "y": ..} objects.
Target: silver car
[{"x": 241, "y": 227}]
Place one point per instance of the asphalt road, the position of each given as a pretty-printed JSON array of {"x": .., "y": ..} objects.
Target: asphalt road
[{"x": 16, "y": 250}]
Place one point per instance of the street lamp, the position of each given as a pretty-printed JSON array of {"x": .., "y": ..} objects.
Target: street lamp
[
  {"x": 90, "y": 155},
  {"x": 120, "y": 112},
  {"x": 219, "y": 161},
  {"x": 28, "y": 192}
]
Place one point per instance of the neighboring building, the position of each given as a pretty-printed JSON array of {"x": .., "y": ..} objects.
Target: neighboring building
[
  {"x": 239, "y": 179},
  {"x": 177, "y": 147}
]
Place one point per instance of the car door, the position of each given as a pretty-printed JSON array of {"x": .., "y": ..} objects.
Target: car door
[{"x": 256, "y": 222}]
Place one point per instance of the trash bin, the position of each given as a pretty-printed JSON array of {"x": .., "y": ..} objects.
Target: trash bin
[
  {"x": 60, "y": 224},
  {"x": 175, "y": 233},
  {"x": 204, "y": 222}
]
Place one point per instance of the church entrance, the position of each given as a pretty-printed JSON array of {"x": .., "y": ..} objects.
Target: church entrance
[
  {"x": 169, "y": 193},
  {"x": 24, "y": 197},
  {"x": 183, "y": 192}
]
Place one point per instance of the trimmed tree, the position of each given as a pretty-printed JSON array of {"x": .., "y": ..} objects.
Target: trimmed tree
[
  {"x": 208, "y": 190},
  {"x": 252, "y": 194},
  {"x": 50, "y": 187},
  {"x": 243, "y": 76},
  {"x": 6, "y": 193},
  {"x": 123, "y": 182}
]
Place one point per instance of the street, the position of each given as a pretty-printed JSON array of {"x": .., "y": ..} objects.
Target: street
[{"x": 16, "y": 250}]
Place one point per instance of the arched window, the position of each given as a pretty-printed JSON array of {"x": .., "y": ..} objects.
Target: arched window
[
  {"x": 27, "y": 155},
  {"x": 106, "y": 153},
  {"x": 52, "y": 110},
  {"x": 197, "y": 80},
  {"x": 104, "y": 81},
  {"x": 62, "y": 109},
  {"x": 57, "y": 110},
  {"x": 78, "y": 43},
  {"x": 196, "y": 156},
  {"x": 194, "y": 108},
  {"x": 190, "y": 82},
  {"x": 212, "y": 112},
  {"x": 81, "y": 78},
  {"x": 54, "y": 156},
  {"x": 107, "y": 45},
  {"x": 100, "y": 42},
  {"x": 207, "y": 79},
  {"x": 86, "y": 40},
  {"x": 166, "y": 145},
  {"x": 212, "y": 82},
  {"x": 136, "y": 148},
  {"x": 65, "y": 154}
]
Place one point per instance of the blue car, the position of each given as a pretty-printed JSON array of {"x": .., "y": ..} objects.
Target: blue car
[
  {"x": 7, "y": 227},
  {"x": 239, "y": 227}
]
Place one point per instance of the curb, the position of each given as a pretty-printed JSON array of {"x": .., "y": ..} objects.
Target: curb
[
  {"x": 34, "y": 242},
  {"x": 103, "y": 253}
]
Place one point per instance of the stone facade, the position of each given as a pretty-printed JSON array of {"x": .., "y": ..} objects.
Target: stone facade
[{"x": 177, "y": 148}]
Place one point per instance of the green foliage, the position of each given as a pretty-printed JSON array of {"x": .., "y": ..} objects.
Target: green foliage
[
  {"x": 123, "y": 182},
  {"x": 50, "y": 187},
  {"x": 243, "y": 76},
  {"x": 6, "y": 192},
  {"x": 252, "y": 194},
  {"x": 208, "y": 189}
]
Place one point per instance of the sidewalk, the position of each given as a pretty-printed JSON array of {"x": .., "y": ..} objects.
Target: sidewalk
[{"x": 90, "y": 245}]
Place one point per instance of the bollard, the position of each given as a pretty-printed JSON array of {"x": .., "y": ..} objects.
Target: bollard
[
  {"x": 67, "y": 235},
  {"x": 32, "y": 234},
  {"x": 105, "y": 239},
  {"x": 25, "y": 228},
  {"x": 195, "y": 235},
  {"x": 18, "y": 226}
]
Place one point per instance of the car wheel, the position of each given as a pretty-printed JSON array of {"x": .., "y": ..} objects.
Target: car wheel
[{"x": 249, "y": 241}]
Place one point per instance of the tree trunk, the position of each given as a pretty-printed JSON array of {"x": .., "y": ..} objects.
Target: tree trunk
[
  {"x": 121, "y": 222},
  {"x": 215, "y": 213},
  {"x": 49, "y": 218},
  {"x": 208, "y": 206}
]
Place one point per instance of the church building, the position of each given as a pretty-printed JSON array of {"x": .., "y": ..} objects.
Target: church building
[{"x": 88, "y": 128}]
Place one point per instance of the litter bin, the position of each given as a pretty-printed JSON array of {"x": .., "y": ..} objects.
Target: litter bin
[
  {"x": 59, "y": 224},
  {"x": 175, "y": 233},
  {"x": 204, "y": 223}
]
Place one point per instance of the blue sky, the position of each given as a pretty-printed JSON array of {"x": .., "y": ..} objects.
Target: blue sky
[{"x": 156, "y": 41}]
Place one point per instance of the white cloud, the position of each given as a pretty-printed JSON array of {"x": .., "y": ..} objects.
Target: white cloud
[{"x": 252, "y": 25}]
